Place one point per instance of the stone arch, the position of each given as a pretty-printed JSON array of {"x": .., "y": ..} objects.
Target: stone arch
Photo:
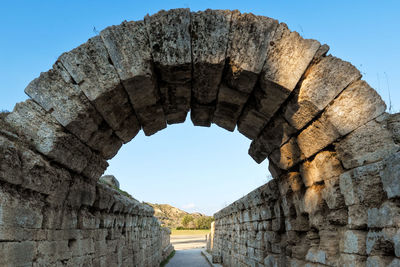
[{"x": 333, "y": 150}]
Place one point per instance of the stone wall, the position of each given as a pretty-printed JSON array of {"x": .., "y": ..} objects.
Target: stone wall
[
  {"x": 326, "y": 212},
  {"x": 53, "y": 217},
  {"x": 332, "y": 149}
]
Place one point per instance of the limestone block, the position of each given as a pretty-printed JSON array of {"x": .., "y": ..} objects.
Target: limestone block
[
  {"x": 313, "y": 199},
  {"x": 354, "y": 107},
  {"x": 387, "y": 215},
  {"x": 202, "y": 115},
  {"x": 369, "y": 143},
  {"x": 290, "y": 182},
  {"x": 353, "y": 242},
  {"x": 17, "y": 253},
  {"x": 129, "y": 49},
  {"x": 332, "y": 195},
  {"x": 249, "y": 39},
  {"x": 52, "y": 251},
  {"x": 81, "y": 192},
  {"x": 110, "y": 180},
  {"x": 276, "y": 133},
  {"x": 287, "y": 59},
  {"x": 90, "y": 68},
  {"x": 169, "y": 38},
  {"x": 324, "y": 81},
  {"x": 338, "y": 217},
  {"x": 288, "y": 155},
  {"x": 96, "y": 167},
  {"x": 316, "y": 255},
  {"x": 323, "y": 166},
  {"x": 10, "y": 163},
  {"x": 390, "y": 175},
  {"x": 394, "y": 126},
  {"x": 329, "y": 244},
  {"x": 383, "y": 242},
  {"x": 352, "y": 260},
  {"x": 209, "y": 41},
  {"x": 58, "y": 95},
  {"x": 362, "y": 185},
  {"x": 358, "y": 217},
  {"x": 229, "y": 106},
  {"x": 47, "y": 136},
  {"x": 17, "y": 212},
  {"x": 382, "y": 261}
]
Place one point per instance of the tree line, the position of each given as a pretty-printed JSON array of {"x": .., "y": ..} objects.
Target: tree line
[{"x": 189, "y": 222}]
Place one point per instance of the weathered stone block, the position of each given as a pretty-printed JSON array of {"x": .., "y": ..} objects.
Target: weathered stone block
[
  {"x": 169, "y": 38},
  {"x": 130, "y": 51},
  {"x": 353, "y": 242},
  {"x": 394, "y": 126},
  {"x": 358, "y": 217},
  {"x": 276, "y": 133},
  {"x": 17, "y": 253},
  {"x": 58, "y": 95},
  {"x": 324, "y": 81},
  {"x": 288, "y": 155},
  {"x": 387, "y": 215},
  {"x": 369, "y": 143},
  {"x": 363, "y": 185},
  {"x": 352, "y": 260},
  {"x": 324, "y": 166},
  {"x": 209, "y": 41},
  {"x": 332, "y": 195},
  {"x": 354, "y": 107},
  {"x": 249, "y": 39},
  {"x": 47, "y": 136},
  {"x": 229, "y": 106},
  {"x": 202, "y": 115},
  {"x": 390, "y": 175},
  {"x": 90, "y": 68}
]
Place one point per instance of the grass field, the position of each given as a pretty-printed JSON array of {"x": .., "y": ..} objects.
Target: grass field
[{"x": 189, "y": 232}]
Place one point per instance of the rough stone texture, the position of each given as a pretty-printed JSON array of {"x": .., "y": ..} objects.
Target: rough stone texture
[
  {"x": 286, "y": 61},
  {"x": 48, "y": 137},
  {"x": 354, "y": 107},
  {"x": 129, "y": 49},
  {"x": 370, "y": 143},
  {"x": 51, "y": 217},
  {"x": 288, "y": 155},
  {"x": 169, "y": 37},
  {"x": 249, "y": 39},
  {"x": 324, "y": 81},
  {"x": 334, "y": 153},
  {"x": 59, "y": 96},
  {"x": 110, "y": 180},
  {"x": 90, "y": 68}
]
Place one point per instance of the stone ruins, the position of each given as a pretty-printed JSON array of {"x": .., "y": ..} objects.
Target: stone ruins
[{"x": 333, "y": 151}]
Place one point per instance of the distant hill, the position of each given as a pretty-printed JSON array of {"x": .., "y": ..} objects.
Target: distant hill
[{"x": 170, "y": 216}]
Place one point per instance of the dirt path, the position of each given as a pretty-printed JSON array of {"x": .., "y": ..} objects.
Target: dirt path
[
  {"x": 181, "y": 242},
  {"x": 188, "y": 257}
]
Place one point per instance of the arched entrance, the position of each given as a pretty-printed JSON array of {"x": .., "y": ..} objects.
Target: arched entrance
[{"x": 333, "y": 150}]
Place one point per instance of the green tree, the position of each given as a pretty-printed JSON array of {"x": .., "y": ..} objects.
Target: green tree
[
  {"x": 204, "y": 222},
  {"x": 186, "y": 220}
]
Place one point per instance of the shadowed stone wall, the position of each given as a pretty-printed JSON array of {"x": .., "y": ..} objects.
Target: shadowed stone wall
[
  {"x": 332, "y": 149},
  {"x": 325, "y": 212}
]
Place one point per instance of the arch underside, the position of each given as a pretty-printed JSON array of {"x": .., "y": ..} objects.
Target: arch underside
[{"x": 332, "y": 149}]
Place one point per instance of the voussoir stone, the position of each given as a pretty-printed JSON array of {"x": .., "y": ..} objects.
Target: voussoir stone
[
  {"x": 72, "y": 109},
  {"x": 209, "y": 40},
  {"x": 324, "y": 81},
  {"x": 287, "y": 58},
  {"x": 48, "y": 137},
  {"x": 276, "y": 133},
  {"x": 354, "y": 107},
  {"x": 288, "y": 155},
  {"x": 169, "y": 38},
  {"x": 130, "y": 52},
  {"x": 90, "y": 68}
]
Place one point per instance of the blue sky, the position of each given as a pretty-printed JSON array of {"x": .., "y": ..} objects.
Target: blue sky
[{"x": 197, "y": 169}]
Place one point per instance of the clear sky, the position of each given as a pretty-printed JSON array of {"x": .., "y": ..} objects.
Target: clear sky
[{"x": 194, "y": 168}]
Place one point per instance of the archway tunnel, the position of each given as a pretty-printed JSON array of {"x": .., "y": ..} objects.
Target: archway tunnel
[{"x": 333, "y": 151}]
